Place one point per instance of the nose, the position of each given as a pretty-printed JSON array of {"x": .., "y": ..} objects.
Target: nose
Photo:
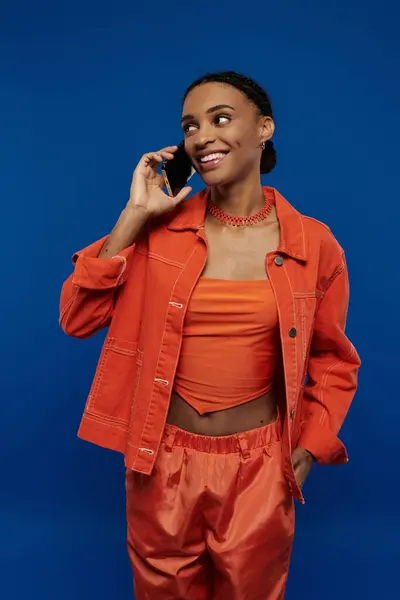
[{"x": 204, "y": 137}]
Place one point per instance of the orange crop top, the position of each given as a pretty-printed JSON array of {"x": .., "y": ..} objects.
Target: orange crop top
[{"x": 230, "y": 344}]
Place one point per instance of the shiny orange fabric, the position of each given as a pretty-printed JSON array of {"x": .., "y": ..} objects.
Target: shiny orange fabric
[
  {"x": 215, "y": 520},
  {"x": 230, "y": 344}
]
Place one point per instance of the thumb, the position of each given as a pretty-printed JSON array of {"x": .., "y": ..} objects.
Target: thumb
[{"x": 184, "y": 193}]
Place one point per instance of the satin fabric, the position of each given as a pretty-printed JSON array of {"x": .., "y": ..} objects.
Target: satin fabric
[
  {"x": 215, "y": 520},
  {"x": 230, "y": 344}
]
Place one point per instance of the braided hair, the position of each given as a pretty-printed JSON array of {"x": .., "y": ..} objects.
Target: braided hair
[{"x": 256, "y": 94}]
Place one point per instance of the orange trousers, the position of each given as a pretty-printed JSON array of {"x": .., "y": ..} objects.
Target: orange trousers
[{"x": 214, "y": 521}]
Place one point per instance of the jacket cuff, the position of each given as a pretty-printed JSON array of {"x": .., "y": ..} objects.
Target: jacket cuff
[
  {"x": 95, "y": 273},
  {"x": 323, "y": 445}
]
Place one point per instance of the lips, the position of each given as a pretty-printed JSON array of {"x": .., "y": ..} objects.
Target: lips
[{"x": 211, "y": 160}]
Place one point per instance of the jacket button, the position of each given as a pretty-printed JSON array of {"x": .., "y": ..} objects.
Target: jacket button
[
  {"x": 291, "y": 413},
  {"x": 278, "y": 261},
  {"x": 292, "y": 332}
]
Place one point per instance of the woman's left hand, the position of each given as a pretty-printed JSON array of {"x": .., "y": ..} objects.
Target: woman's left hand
[{"x": 302, "y": 462}]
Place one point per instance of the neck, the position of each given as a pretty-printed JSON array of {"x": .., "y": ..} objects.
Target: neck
[{"x": 241, "y": 198}]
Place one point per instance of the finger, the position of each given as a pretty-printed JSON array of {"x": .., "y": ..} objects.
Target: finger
[
  {"x": 171, "y": 149},
  {"x": 152, "y": 156},
  {"x": 184, "y": 193},
  {"x": 166, "y": 155},
  {"x": 151, "y": 161}
]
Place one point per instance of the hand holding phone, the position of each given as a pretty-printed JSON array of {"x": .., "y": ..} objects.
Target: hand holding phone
[
  {"x": 147, "y": 184},
  {"x": 177, "y": 171}
]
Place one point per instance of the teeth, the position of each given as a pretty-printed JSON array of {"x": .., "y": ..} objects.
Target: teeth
[{"x": 209, "y": 157}]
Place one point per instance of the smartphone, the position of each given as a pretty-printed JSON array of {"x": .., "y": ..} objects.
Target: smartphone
[{"x": 177, "y": 171}]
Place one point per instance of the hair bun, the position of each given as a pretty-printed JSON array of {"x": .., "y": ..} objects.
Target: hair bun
[{"x": 268, "y": 157}]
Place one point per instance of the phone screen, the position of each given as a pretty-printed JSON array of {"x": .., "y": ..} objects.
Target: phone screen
[{"x": 177, "y": 171}]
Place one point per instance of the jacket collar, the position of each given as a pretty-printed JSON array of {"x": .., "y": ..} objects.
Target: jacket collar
[{"x": 292, "y": 235}]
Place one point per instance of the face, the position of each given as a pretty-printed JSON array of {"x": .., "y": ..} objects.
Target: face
[{"x": 223, "y": 133}]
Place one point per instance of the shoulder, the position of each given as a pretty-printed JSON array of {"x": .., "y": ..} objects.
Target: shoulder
[
  {"x": 325, "y": 248},
  {"x": 317, "y": 231},
  {"x": 309, "y": 237}
]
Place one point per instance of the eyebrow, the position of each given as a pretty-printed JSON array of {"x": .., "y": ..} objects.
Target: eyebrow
[{"x": 209, "y": 111}]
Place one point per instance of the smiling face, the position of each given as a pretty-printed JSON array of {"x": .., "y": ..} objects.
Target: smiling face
[{"x": 223, "y": 133}]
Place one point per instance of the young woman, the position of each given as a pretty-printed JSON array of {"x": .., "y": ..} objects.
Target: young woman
[{"x": 226, "y": 371}]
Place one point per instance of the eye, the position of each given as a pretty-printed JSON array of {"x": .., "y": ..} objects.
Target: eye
[
  {"x": 222, "y": 119},
  {"x": 188, "y": 128}
]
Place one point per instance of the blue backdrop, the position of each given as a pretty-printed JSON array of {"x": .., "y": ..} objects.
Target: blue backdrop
[{"x": 86, "y": 88}]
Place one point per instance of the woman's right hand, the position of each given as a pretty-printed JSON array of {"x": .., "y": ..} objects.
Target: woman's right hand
[{"x": 147, "y": 185}]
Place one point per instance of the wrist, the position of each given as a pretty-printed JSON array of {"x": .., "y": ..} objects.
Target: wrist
[
  {"x": 135, "y": 212},
  {"x": 310, "y": 456},
  {"x": 307, "y": 454}
]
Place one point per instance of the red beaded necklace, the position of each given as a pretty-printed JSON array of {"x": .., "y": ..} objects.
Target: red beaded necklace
[{"x": 222, "y": 216}]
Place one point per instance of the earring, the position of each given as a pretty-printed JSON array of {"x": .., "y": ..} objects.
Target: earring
[{"x": 263, "y": 145}]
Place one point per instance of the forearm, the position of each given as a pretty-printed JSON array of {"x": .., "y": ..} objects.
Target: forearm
[
  {"x": 332, "y": 375},
  {"x": 325, "y": 406},
  {"x": 125, "y": 232},
  {"x": 87, "y": 297}
]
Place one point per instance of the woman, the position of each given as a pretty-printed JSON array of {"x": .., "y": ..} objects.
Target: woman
[{"x": 226, "y": 371}]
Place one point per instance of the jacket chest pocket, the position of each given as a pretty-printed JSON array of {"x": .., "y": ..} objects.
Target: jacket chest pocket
[
  {"x": 306, "y": 305},
  {"x": 111, "y": 395}
]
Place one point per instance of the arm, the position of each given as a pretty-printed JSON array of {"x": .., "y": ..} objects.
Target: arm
[
  {"x": 88, "y": 295},
  {"x": 332, "y": 374}
]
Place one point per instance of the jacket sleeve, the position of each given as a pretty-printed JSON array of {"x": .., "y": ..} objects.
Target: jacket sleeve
[
  {"x": 332, "y": 375},
  {"x": 88, "y": 295}
]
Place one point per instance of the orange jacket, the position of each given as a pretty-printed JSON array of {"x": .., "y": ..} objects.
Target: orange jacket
[{"x": 142, "y": 295}]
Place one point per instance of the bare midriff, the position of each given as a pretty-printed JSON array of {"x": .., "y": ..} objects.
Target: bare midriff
[{"x": 247, "y": 416}]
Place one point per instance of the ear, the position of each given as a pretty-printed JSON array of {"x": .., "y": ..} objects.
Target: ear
[{"x": 267, "y": 128}]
